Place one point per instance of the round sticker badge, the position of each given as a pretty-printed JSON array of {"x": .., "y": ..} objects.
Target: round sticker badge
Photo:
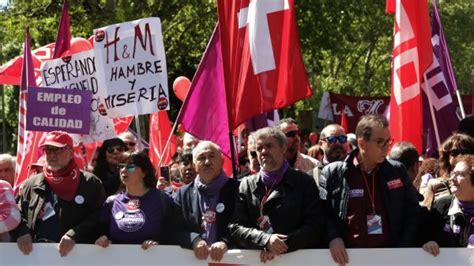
[
  {"x": 118, "y": 215},
  {"x": 220, "y": 207},
  {"x": 79, "y": 199}
]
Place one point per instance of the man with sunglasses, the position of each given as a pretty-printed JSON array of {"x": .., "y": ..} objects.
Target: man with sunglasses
[
  {"x": 129, "y": 140},
  {"x": 371, "y": 200},
  {"x": 60, "y": 205},
  {"x": 295, "y": 158}
]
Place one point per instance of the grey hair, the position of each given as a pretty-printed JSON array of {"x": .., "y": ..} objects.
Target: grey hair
[
  {"x": 5, "y": 157},
  {"x": 204, "y": 144},
  {"x": 270, "y": 132},
  {"x": 367, "y": 123}
]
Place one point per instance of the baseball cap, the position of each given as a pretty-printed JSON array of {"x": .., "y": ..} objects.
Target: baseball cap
[{"x": 57, "y": 139}]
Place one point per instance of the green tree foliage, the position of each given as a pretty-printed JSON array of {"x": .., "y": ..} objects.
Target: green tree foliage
[{"x": 346, "y": 44}]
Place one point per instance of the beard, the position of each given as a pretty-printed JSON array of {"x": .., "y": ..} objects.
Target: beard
[{"x": 336, "y": 153}]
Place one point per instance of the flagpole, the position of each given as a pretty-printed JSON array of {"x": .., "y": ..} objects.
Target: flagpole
[
  {"x": 137, "y": 125},
  {"x": 461, "y": 106},
  {"x": 232, "y": 154},
  {"x": 433, "y": 118},
  {"x": 169, "y": 137}
]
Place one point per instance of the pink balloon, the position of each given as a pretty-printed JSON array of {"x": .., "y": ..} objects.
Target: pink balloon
[
  {"x": 181, "y": 87},
  {"x": 77, "y": 45},
  {"x": 313, "y": 138}
]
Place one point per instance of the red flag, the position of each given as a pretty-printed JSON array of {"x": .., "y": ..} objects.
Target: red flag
[
  {"x": 63, "y": 40},
  {"x": 263, "y": 66},
  {"x": 160, "y": 129},
  {"x": 122, "y": 124},
  {"x": 411, "y": 56},
  {"x": 344, "y": 123},
  {"x": 27, "y": 140}
]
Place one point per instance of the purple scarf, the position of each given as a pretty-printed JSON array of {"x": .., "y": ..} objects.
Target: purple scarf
[
  {"x": 208, "y": 197},
  {"x": 467, "y": 207},
  {"x": 468, "y": 210},
  {"x": 271, "y": 179}
]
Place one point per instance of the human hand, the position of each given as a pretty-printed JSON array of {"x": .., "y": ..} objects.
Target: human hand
[
  {"x": 431, "y": 247},
  {"x": 266, "y": 255},
  {"x": 201, "y": 249},
  {"x": 25, "y": 244},
  {"x": 217, "y": 250},
  {"x": 276, "y": 244},
  {"x": 103, "y": 241},
  {"x": 338, "y": 251},
  {"x": 148, "y": 243},
  {"x": 65, "y": 245}
]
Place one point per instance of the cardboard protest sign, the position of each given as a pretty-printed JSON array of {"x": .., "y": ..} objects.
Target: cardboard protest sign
[
  {"x": 78, "y": 72},
  {"x": 51, "y": 109},
  {"x": 131, "y": 66}
]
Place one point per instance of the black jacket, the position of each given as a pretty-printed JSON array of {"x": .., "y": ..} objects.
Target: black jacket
[
  {"x": 187, "y": 199},
  {"x": 401, "y": 203},
  {"x": 78, "y": 220},
  {"x": 293, "y": 207}
]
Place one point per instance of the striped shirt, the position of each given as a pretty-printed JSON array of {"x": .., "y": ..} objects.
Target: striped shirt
[{"x": 9, "y": 214}]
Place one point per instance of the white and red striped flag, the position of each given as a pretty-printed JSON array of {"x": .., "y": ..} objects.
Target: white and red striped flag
[
  {"x": 411, "y": 56},
  {"x": 26, "y": 139}
]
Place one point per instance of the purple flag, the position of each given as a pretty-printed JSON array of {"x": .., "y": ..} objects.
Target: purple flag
[
  {"x": 63, "y": 40},
  {"x": 204, "y": 111},
  {"x": 439, "y": 110},
  {"x": 266, "y": 119}
]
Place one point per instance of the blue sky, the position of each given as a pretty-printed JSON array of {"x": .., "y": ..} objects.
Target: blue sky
[{"x": 3, "y": 2}]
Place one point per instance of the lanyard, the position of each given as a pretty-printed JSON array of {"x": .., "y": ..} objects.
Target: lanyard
[
  {"x": 265, "y": 197},
  {"x": 371, "y": 194}
]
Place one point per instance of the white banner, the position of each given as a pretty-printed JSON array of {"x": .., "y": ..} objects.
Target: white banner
[
  {"x": 78, "y": 72},
  {"x": 131, "y": 65},
  {"x": 130, "y": 255}
]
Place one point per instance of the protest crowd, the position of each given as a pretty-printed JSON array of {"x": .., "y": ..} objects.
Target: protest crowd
[{"x": 275, "y": 187}]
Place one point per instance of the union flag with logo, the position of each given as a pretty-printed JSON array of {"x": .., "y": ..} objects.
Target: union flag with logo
[{"x": 263, "y": 66}]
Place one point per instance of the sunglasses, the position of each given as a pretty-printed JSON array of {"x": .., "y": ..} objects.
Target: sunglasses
[
  {"x": 292, "y": 134},
  {"x": 333, "y": 139},
  {"x": 131, "y": 144},
  {"x": 116, "y": 148},
  {"x": 253, "y": 154},
  {"x": 130, "y": 167},
  {"x": 456, "y": 152}
]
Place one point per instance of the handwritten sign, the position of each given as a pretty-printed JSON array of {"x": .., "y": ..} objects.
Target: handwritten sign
[
  {"x": 131, "y": 65},
  {"x": 51, "y": 109},
  {"x": 78, "y": 72}
]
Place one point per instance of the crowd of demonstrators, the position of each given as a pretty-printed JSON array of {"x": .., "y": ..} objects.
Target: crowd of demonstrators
[
  {"x": 60, "y": 205},
  {"x": 207, "y": 203},
  {"x": 371, "y": 200},
  {"x": 348, "y": 194},
  {"x": 111, "y": 153},
  {"x": 141, "y": 214},
  {"x": 266, "y": 200},
  {"x": 7, "y": 168},
  {"x": 455, "y": 145}
]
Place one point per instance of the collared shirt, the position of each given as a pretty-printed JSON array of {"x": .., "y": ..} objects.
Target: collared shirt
[
  {"x": 9, "y": 214},
  {"x": 304, "y": 163}
]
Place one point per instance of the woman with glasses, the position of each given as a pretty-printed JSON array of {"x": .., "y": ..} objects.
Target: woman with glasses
[
  {"x": 110, "y": 155},
  {"x": 456, "y": 144},
  {"x": 141, "y": 214},
  {"x": 459, "y": 212}
]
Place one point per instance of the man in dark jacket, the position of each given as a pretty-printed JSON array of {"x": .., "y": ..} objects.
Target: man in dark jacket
[
  {"x": 60, "y": 205},
  {"x": 278, "y": 209},
  {"x": 207, "y": 203},
  {"x": 371, "y": 200}
]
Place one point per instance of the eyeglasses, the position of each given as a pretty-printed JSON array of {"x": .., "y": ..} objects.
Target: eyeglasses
[
  {"x": 459, "y": 173},
  {"x": 54, "y": 150},
  {"x": 130, "y": 167},
  {"x": 332, "y": 139},
  {"x": 131, "y": 144},
  {"x": 292, "y": 134},
  {"x": 253, "y": 154},
  {"x": 116, "y": 148},
  {"x": 456, "y": 152},
  {"x": 382, "y": 143}
]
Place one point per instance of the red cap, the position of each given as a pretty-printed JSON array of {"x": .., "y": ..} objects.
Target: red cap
[{"x": 58, "y": 139}]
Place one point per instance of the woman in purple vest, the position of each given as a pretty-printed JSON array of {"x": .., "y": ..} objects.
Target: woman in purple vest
[{"x": 141, "y": 214}]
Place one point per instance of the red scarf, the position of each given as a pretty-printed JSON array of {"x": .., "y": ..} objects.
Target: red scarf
[{"x": 64, "y": 182}]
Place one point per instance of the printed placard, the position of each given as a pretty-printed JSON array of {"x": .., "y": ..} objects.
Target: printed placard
[
  {"x": 131, "y": 65},
  {"x": 51, "y": 109}
]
